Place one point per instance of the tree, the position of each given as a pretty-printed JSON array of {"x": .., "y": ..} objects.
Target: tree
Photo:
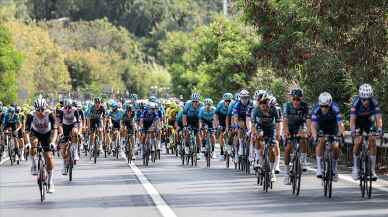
[{"x": 10, "y": 62}]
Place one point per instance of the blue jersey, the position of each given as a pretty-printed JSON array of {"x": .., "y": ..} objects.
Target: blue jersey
[
  {"x": 148, "y": 116},
  {"x": 327, "y": 122},
  {"x": 241, "y": 110},
  {"x": 117, "y": 115},
  {"x": 222, "y": 109},
  {"x": 360, "y": 111},
  {"x": 207, "y": 115},
  {"x": 190, "y": 111},
  {"x": 230, "y": 108},
  {"x": 10, "y": 119}
]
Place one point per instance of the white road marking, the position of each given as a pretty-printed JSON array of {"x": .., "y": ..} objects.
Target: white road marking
[
  {"x": 4, "y": 160},
  {"x": 350, "y": 179},
  {"x": 162, "y": 206}
]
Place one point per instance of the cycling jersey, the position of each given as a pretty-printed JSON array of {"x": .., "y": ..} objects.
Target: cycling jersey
[
  {"x": 149, "y": 117},
  {"x": 97, "y": 114},
  {"x": 230, "y": 108},
  {"x": 364, "y": 115},
  {"x": 265, "y": 120},
  {"x": 296, "y": 117},
  {"x": 40, "y": 125},
  {"x": 116, "y": 116},
  {"x": 128, "y": 120},
  {"x": 11, "y": 120},
  {"x": 192, "y": 114},
  {"x": 206, "y": 116},
  {"x": 327, "y": 123},
  {"x": 68, "y": 116},
  {"x": 242, "y": 111},
  {"x": 179, "y": 119}
]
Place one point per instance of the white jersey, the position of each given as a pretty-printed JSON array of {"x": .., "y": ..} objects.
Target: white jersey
[
  {"x": 68, "y": 116},
  {"x": 41, "y": 125}
]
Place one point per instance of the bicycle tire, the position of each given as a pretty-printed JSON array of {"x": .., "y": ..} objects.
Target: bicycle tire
[
  {"x": 298, "y": 176},
  {"x": 369, "y": 178},
  {"x": 227, "y": 160},
  {"x": 330, "y": 177},
  {"x": 71, "y": 163},
  {"x": 95, "y": 152},
  {"x": 363, "y": 175},
  {"x": 293, "y": 175}
]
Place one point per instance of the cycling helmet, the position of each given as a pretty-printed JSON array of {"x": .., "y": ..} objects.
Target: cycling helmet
[
  {"x": 365, "y": 91},
  {"x": 40, "y": 103},
  {"x": 97, "y": 100},
  {"x": 11, "y": 109},
  {"x": 237, "y": 96},
  {"x": 265, "y": 97},
  {"x": 208, "y": 101},
  {"x": 18, "y": 109},
  {"x": 244, "y": 93},
  {"x": 227, "y": 96},
  {"x": 133, "y": 96},
  {"x": 296, "y": 92},
  {"x": 259, "y": 94},
  {"x": 272, "y": 100},
  {"x": 152, "y": 99},
  {"x": 195, "y": 96},
  {"x": 67, "y": 102},
  {"x": 325, "y": 99}
]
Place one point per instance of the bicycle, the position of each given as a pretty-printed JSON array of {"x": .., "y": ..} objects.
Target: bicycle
[
  {"x": 228, "y": 153},
  {"x": 295, "y": 172},
  {"x": 191, "y": 148},
  {"x": 93, "y": 151},
  {"x": 42, "y": 178},
  {"x": 365, "y": 173},
  {"x": 129, "y": 145},
  {"x": 264, "y": 173},
  {"x": 208, "y": 146},
  {"x": 244, "y": 164},
  {"x": 11, "y": 148},
  {"x": 327, "y": 179}
]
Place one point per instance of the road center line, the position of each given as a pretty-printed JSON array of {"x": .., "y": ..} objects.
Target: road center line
[
  {"x": 350, "y": 179},
  {"x": 162, "y": 206}
]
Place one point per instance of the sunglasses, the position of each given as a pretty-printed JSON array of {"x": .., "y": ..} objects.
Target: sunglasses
[
  {"x": 195, "y": 101},
  {"x": 40, "y": 110},
  {"x": 263, "y": 102},
  {"x": 324, "y": 106},
  {"x": 227, "y": 101},
  {"x": 296, "y": 99},
  {"x": 364, "y": 100}
]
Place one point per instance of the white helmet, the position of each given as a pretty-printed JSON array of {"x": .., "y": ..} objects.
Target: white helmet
[
  {"x": 365, "y": 91},
  {"x": 272, "y": 100},
  {"x": 227, "y": 96},
  {"x": 208, "y": 101},
  {"x": 244, "y": 93},
  {"x": 259, "y": 94},
  {"x": 67, "y": 102},
  {"x": 195, "y": 96},
  {"x": 153, "y": 105},
  {"x": 325, "y": 99},
  {"x": 40, "y": 103}
]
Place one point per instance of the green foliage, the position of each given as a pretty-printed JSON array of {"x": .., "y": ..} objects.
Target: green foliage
[
  {"x": 10, "y": 61},
  {"x": 213, "y": 59}
]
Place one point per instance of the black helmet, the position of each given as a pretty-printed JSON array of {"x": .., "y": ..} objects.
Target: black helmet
[
  {"x": 296, "y": 92},
  {"x": 97, "y": 99}
]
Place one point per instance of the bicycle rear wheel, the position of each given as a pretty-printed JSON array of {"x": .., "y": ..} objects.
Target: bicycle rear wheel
[
  {"x": 70, "y": 166},
  {"x": 368, "y": 181},
  {"x": 330, "y": 177},
  {"x": 363, "y": 175}
]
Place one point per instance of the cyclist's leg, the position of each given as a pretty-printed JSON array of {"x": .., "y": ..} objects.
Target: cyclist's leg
[
  {"x": 74, "y": 141},
  {"x": 372, "y": 151},
  {"x": 33, "y": 140},
  {"x": 319, "y": 156},
  {"x": 48, "y": 155}
]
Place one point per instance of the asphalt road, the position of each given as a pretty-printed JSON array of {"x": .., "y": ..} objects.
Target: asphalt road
[{"x": 112, "y": 188}]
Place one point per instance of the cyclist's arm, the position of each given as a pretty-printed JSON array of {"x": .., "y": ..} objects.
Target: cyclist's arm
[{"x": 55, "y": 128}]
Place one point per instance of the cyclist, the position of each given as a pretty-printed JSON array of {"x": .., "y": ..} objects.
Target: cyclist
[
  {"x": 241, "y": 118},
  {"x": 149, "y": 119},
  {"x": 206, "y": 118},
  {"x": 115, "y": 118},
  {"x": 11, "y": 122},
  {"x": 296, "y": 122},
  {"x": 327, "y": 119},
  {"x": 365, "y": 115},
  {"x": 41, "y": 128},
  {"x": 129, "y": 124},
  {"x": 21, "y": 131},
  {"x": 266, "y": 125},
  {"x": 273, "y": 103},
  {"x": 179, "y": 124},
  {"x": 221, "y": 117},
  {"x": 97, "y": 113},
  {"x": 191, "y": 117},
  {"x": 69, "y": 120}
]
